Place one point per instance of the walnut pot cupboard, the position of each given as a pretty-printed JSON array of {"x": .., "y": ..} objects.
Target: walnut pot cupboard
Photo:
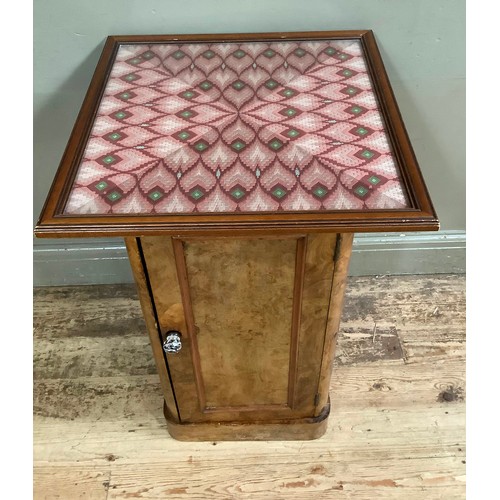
[{"x": 238, "y": 167}]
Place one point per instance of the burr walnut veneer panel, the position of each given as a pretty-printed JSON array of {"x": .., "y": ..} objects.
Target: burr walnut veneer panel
[{"x": 252, "y": 313}]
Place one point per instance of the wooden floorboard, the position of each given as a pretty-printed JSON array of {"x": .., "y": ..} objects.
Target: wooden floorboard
[{"x": 396, "y": 431}]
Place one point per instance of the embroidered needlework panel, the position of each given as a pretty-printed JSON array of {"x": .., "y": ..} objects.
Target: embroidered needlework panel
[{"x": 237, "y": 127}]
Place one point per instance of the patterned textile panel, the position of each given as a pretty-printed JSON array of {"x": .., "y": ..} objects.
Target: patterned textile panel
[{"x": 237, "y": 127}]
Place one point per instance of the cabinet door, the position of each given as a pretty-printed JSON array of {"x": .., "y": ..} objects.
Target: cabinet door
[{"x": 252, "y": 313}]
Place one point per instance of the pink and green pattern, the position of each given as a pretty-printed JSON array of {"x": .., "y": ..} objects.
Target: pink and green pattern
[{"x": 237, "y": 127}]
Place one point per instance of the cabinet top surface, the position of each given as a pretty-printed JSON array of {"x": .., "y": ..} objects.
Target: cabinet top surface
[{"x": 201, "y": 131}]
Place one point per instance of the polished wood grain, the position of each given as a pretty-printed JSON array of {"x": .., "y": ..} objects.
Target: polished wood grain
[
  {"x": 318, "y": 275},
  {"x": 421, "y": 216},
  {"x": 297, "y": 305},
  {"x": 252, "y": 314},
  {"x": 160, "y": 262},
  {"x": 396, "y": 428},
  {"x": 343, "y": 250},
  {"x": 73, "y": 152},
  {"x": 241, "y": 294},
  {"x": 295, "y": 429},
  {"x": 396, "y": 130},
  {"x": 150, "y": 316}
]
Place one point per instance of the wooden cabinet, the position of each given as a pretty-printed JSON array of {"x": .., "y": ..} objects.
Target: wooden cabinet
[
  {"x": 237, "y": 167},
  {"x": 258, "y": 319}
]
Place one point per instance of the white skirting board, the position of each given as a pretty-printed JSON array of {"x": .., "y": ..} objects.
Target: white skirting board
[{"x": 105, "y": 261}]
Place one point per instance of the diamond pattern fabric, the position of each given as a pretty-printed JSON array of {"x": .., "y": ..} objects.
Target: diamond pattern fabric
[{"x": 237, "y": 127}]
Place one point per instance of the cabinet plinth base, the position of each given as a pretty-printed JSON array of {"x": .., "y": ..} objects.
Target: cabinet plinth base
[{"x": 278, "y": 430}]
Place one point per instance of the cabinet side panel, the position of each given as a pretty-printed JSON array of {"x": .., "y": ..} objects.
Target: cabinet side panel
[
  {"x": 313, "y": 320},
  {"x": 161, "y": 266},
  {"x": 147, "y": 306},
  {"x": 242, "y": 293},
  {"x": 342, "y": 258}
]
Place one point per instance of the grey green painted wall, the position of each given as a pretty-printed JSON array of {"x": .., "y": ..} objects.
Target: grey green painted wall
[{"x": 422, "y": 43}]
